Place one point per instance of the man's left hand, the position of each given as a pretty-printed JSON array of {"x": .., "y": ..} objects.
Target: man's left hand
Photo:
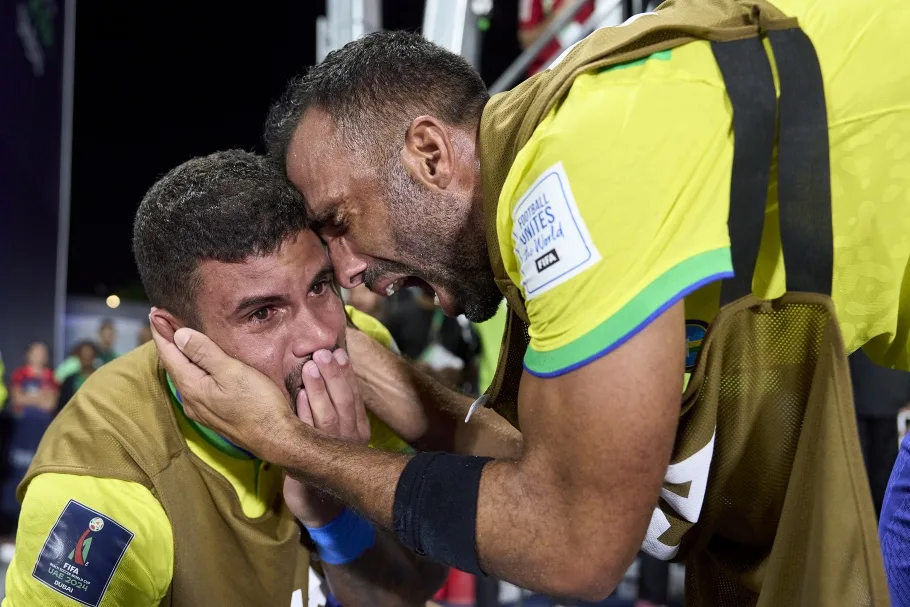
[{"x": 224, "y": 394}]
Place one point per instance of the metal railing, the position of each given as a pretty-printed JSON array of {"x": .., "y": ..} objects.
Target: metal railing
[{"x": 516, "y": 71}]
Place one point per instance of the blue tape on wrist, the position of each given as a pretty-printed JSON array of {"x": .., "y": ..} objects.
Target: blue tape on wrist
[{"x": 344, "y": 539}]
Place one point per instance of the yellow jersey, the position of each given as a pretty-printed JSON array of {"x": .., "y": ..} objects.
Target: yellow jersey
[{"x": 617, "y": 206}]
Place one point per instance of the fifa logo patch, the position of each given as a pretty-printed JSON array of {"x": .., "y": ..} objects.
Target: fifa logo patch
[
  {"x": 81, "y": 554},
  {"x": 546, "y": 260},
  {"x": 549, "y": 237}
]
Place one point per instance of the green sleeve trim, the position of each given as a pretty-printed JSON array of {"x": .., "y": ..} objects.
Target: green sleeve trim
[
  {"x": 659, "y": 55},
  {"x": 657, "y": 297}
]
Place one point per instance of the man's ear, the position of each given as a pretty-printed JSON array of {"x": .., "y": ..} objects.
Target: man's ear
[
  {"x": 428, "y": 154},
  {"x": 166, "y": 324}
]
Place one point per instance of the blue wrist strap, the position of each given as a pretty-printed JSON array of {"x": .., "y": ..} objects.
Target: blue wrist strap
[{"x": 344, "y": 539}]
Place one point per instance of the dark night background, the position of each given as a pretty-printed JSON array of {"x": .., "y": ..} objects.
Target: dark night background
[{"x": 158, "y": 84}]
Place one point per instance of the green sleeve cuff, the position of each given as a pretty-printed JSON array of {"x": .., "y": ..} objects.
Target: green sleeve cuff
[{"x": 672, "y": 286}]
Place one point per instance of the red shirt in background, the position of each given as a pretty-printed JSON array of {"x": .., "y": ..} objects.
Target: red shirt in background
[
  {"x": 29, "y": 381},
  {"x": 532, "y": 13}
]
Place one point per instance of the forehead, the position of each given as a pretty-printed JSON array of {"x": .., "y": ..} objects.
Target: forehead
[
  {"x": 294, "y": 263},
  {"x": 318, "y": 162}
]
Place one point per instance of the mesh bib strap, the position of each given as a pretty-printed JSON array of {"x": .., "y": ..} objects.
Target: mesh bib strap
[
  {"x": 747, "y": 75},
  {"x": 804, "y": 169}
]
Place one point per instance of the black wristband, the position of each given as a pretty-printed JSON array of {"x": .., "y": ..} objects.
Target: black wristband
[{"x": 435, "y": 511}]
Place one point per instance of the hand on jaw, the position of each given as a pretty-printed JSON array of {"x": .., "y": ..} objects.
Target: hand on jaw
[{"x": 245, "y": 406}]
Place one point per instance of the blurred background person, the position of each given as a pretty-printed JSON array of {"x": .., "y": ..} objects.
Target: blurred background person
[
  {"x": 3, "y": 391},
  {"x": 107, "y": 337},
  {"x": 447, "y": 347},
  {"x": 33, "y": 384},
  {"x": 87, "y": 355},
  {"x": 144, "y": 335},
  {"x": 33, "y": 400}
]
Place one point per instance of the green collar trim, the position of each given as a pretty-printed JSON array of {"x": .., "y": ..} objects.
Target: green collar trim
[{"x": 210, "y": 436}]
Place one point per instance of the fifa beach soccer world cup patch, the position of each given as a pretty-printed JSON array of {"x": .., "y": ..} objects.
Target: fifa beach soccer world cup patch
[
  {"x": 551, "y": 240},
  {"x": 82, "y": 553}
]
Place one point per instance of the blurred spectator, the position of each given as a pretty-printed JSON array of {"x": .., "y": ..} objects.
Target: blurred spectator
[
  {"x": 33, "y": 393},
  {"x": 87, "y": 354},
  {"x": 533, "y": 18},
  {"x": 33, "y": 384},
  {"x": 107, "y": 336},
  {"x": 145, "y": 335},
  {"x": 447, "y": 347},
  {"x": 3, "y": 392}
]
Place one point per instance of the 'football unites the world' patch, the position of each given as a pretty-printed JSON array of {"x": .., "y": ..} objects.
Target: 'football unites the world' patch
[
  {"x": 549, "y": 235},
  {"x": 81, "y": 553}
]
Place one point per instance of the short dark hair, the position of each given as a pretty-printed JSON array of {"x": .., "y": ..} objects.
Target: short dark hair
[
  {"x": 374, "y": 86},
  {"x": 223, "y": 207},
  {"x": 106, "y": 323}
]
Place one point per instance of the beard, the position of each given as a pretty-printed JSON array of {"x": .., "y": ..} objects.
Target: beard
[{"x": 437, "y": 245}]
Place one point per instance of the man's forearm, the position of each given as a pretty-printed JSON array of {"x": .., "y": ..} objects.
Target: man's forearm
[
  {"x": 525, "y": 534},
  {"x": 386, "y": 575},
  {"x": 423, "y": 411}
]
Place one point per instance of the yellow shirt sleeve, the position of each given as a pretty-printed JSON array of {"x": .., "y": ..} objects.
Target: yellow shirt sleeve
[
  {"x": 381, "y": 436},
  {"x": 99, "y": 541},
  {"x": 617, "y": 206}
]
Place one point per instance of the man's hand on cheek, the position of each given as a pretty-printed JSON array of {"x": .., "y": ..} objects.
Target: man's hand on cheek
[{"x": 223, "y": 394}]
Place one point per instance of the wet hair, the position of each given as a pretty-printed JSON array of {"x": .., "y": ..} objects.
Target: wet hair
[
  {"x": 373, "y": 87},
  {"x": 224, "y": 207}
]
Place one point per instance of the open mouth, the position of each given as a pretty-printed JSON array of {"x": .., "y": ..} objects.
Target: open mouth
[{"x": 390, "y": 286}]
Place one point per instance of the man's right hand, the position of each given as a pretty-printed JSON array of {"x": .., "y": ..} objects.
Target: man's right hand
[{"x": 346, "y": 420}]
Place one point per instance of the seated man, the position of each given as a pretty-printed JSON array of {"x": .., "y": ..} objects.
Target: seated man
[{"x": 128, "y": 502}]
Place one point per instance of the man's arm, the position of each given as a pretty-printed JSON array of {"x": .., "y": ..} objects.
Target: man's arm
[
  {"x": 56, "y": 512},
  {"x": 386, "y": 574},
  {"x": 424, "y": 412},
  {"x": 567, "y": 518}
]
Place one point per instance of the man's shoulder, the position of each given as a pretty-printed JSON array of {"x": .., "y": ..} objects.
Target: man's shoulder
[
  {"x": 118, "y": 423},
  {"x": 371, "y": 326},
  {"x": 98, "y": 535}
]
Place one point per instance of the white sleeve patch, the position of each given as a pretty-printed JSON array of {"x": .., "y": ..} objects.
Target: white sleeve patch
[{"x": 551, "y": 240}]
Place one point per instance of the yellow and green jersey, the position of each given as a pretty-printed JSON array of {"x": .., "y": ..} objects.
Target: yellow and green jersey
[
  {"x": 617, "y": 206},
  {"x": 132, "y": 563}
]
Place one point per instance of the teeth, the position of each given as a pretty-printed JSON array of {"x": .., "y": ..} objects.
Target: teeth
[
  {"x": 390, "y": 290},
  {"x": 435, "y": 299}
]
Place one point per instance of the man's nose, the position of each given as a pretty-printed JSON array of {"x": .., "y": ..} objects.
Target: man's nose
[
  {"x": 313, "y": 334},
  {"x": 349, "y": 267}
]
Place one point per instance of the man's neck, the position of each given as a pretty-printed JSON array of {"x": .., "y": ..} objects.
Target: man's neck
[{"x": 214, "y": 439}]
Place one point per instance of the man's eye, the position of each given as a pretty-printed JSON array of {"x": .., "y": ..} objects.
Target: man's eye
[
  {"x": 261, "y": 315},
  {"x": 320, "y": 287}
]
